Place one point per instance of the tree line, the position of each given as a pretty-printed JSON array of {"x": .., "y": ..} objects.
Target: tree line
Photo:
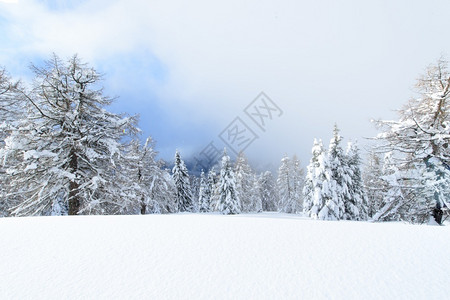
[{"x": 63, "y": 153}]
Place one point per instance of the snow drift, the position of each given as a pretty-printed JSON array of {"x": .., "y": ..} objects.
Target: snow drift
[{"x": 192, "y": 256}]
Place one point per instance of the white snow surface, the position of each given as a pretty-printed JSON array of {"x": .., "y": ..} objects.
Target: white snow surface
[{"x": 194, "y": 256}]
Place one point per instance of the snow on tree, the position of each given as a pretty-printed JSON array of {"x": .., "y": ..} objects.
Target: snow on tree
[
  {"x": 68, "y": 148},
  {"x": 12, "y": 104},
  {"x": 335, "y": 189},
  {"x": 312, "y": 201},
  {"x": 433, "y": 193},
  {"x": 153, "y": 186},
  {"x": 421, "y": 137},
  {"x": 393, "y": 200},
  {"x": 356, "y": 205},
  {"x": 286, "y": 201},
  {"x": 164, "y": 191},
  {"x": 256, "y": 197},
  {"x": 290, "y": 184},
  {"x": 59, "y": 207},
  {"x": 406, "y": 191},
  {"x": 375, "y": 186},
  {"x": 211, "y": 189},
  {"x": 328, "y": 183},
  {"x": 204, "y": 196},
  {"x": 180, "y": 176},
  {"x": 245, "y": 183},
  {"x": 268, "y": 191},
  {"x": 12, "y": 108},
  {"x": 226, "y": 192},
  {"x": 195, "y": 189},
  {"x": 297, "y": 181},
  {"x": 319, "y": 184}
]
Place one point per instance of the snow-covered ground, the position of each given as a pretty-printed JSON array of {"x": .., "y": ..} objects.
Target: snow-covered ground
[{"x": 192, "y": 256}]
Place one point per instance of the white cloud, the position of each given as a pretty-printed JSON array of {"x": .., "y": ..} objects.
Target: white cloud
[{"x": 322, "y": 61}]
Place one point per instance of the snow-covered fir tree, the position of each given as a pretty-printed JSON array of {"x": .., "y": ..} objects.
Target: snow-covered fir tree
[
  {"x": 180, "y": 176},
  {"x": 319, "y": 184},
  {"x": 68, "y": 148},
  {"x": 204, "y": 196},
  {"x": 434, "y": 187},
  {"x": 164, "y": 191},
  {"x": 286, "y": 200},
  {"x": 290, "y": 184},
  {"x": 393, "y": 198},
  {"x": 245, "y": 179},
  {"x": 153, "y": 186},
  {"x": 420, "y": 139},
  {"x": 335, "y": 187},
  {"x": 406, "y": 191},
  {"x": 358, "y": 210},
  {"x": 195, "y": 189},
  {"x": 226, "y": 193},
  {"x": 373, "y": 183},
  {"x": 268, "y": 192},
  {"x": 256, "y": 197},
  {"x": 312, "y": 202},
  {"x": 297, "y": 182},
  {"x": 210, "y": 192}
]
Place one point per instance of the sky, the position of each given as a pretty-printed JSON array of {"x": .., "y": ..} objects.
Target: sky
[{"x": 194, "y": 70}]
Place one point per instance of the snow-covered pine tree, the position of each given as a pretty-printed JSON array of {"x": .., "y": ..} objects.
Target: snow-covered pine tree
[
  {"x": 204, "y": 196},
  {"x": 211, "y": 189},
  {"x": 297, "y": 181},
  {"x": 182, "y": 184},
  {"x": 406, "y": 191},
  {"x": 153, "y": 186},
  {"x": 226, "y": 193},
  {"x": 373, "y": 183},
  {"x": 68, "y": 148},
  {"x": 335, "y": 187},
  {"x": 422, "y": 134},
  {"x": 390, "y": 208},
  {"x": 284, "y": 183},
  {"x": 358, "y": 210},
  {"x": 195, "y": 189},
  {"x": 164, "y": 191},
  {"x": 256, "y": 197},
  {"x": 244, "y": 183},
  {"x": 268, "y": 192},
  {"x": 434, "y": 186},
  {"x": 319, "y": 184},
  {"x": 313, "y": 184}
]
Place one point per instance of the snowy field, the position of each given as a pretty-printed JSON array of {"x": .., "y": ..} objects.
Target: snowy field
[{"x": 191, "y": 256}]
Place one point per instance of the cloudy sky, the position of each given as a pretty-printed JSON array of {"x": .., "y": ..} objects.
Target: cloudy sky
[{"x": 190, "y": 68}]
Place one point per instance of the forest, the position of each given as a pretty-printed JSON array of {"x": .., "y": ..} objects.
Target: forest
[{"x": 63, "y": 153}]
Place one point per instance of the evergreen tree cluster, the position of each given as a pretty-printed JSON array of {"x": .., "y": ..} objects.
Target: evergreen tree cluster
[
  {"x": 290, "y": 183},
  {"x": 63, "y": 153},
  {"x": 333, "y": 187}
]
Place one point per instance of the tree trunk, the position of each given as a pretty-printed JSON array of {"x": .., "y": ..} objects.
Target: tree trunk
[
  {"x": 437, "y": 214},
  {"x": 74, "y": 198},
  {"x": 143, "y": 207},
  {"x": 437, "y": 211}
]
